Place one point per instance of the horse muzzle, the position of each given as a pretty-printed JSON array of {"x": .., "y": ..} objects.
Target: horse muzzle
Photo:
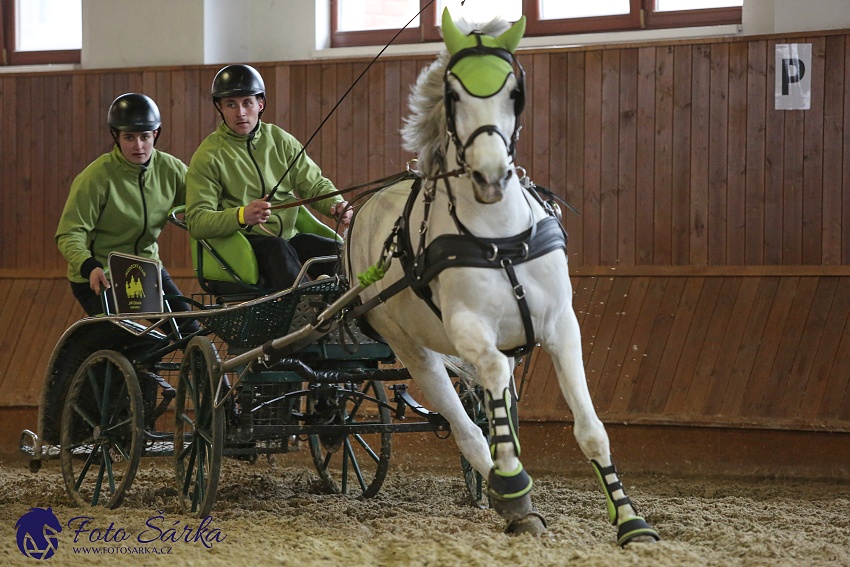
[{"x": 490, "y": 189}]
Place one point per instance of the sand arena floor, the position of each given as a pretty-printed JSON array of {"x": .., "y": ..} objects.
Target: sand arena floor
[{"x": 275, "y": 513}]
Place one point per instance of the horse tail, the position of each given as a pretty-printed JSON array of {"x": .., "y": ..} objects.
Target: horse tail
[{"x": 462, "y": 369}]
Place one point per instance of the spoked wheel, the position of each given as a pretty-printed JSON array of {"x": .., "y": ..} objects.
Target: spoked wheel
[
  {"x": 472, "y": 398},
  {"x": 198, "y": 428},
  {"x": 348, "y": 462},
  {"x": 102, "y": 430}
]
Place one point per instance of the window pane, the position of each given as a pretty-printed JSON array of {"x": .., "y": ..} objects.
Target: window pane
[
  {"x": 675, "y": 5},
  {"x": 481, "y": 12},
  {"x": 357, "y": 15},
  {"x": 49, "y": 25},
  {"x": 559, "y": 9}
]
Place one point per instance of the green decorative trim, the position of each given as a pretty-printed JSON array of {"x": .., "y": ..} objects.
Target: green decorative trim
[
  {"x": 635, "y": 527},
  {"x": 372, "y": 274},
  {"x": 609, "y": 498},
  {"x": 514, "y": 434},
  {"x": 509, "y": 485}
]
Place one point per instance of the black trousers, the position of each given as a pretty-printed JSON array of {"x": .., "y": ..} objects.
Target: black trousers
[
  {"x": 280, "y": 260},
  {"x": 93, "y": 304}
]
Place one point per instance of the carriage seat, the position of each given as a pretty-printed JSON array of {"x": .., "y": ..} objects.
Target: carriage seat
[{"x": 227, "y": 267}]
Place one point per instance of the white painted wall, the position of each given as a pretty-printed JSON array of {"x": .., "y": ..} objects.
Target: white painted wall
[
  {"x": 130, "y": 33},
  {"x": 785, "y": 16},
  {"x": 140, "y": 33}
]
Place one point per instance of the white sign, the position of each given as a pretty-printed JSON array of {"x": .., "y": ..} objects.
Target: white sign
[{"x": 793, "y": 76}]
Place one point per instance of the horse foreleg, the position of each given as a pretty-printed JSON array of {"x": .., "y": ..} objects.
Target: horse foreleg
[
  {"x": 591, "y": 435},
  {"x": 509, "y": 484},
  {"x": 428, "y": 370}
]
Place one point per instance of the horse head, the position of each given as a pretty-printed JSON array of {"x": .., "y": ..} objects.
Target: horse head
[{"x": 483, "y": 101}]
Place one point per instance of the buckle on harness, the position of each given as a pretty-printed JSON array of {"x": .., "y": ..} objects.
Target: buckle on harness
[
  {"x": 495, "y": 254},
  {"x": 519, "y": 292}
]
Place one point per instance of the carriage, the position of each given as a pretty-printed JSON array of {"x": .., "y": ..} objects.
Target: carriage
[
  {"x": 262, "y": 375},
  {"x": 458, "y": 269}
]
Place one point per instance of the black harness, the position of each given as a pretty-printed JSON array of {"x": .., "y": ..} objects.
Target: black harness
[{"x": 466, "y": 250}]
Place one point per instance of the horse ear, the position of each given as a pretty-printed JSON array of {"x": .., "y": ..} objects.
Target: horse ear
[
  {"x": 452, "y": 36},
  {"x": 510, "y": 39}
]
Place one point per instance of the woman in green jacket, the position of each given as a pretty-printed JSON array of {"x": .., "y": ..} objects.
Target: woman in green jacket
[
  {"x": 235, "y": 169},
  {"x": 120, "y": 203}
]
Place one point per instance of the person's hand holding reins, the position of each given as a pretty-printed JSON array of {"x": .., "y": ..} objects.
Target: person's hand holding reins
[
  {"x": 97, "y": 279},
  {"x": 342, "y": 212},
  {"x": 257, "y": 212}
]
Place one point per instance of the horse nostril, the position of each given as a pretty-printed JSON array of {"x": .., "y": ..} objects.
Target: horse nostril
[
  {"x": 478, "y": 178},
  {"x": 508, "y": 175}
]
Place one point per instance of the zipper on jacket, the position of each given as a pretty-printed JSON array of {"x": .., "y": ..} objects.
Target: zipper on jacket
[
  {"x": 259, "y": 173},
  {"x": 144, "y": 209},
  {"x": 256, "y": 166}
]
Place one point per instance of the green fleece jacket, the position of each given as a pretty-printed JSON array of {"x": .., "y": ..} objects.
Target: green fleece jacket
[
  {"x": 229, "y": 171},
  {"x": 118, "y": 206}
]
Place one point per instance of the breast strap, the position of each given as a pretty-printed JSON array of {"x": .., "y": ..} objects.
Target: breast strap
[{"x": 468, "y": 251}]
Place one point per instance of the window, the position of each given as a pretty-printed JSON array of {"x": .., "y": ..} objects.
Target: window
[
  {"x": 37, "y": 32},
  {"x": 365, "y": 22}
]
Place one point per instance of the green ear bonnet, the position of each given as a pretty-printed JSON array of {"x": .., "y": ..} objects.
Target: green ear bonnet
[{"x": 480, "y": 62}]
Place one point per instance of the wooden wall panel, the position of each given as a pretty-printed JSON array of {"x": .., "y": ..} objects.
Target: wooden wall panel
[
  {"x": 667, "y": 140},
  {"x": 730, "y": 218},
  {"x": 721, "y": 351},
  {"x": 754, "y": 196}
]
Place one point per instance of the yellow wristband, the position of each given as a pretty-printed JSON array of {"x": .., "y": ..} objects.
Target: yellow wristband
[{"x": 241, "y": 215}]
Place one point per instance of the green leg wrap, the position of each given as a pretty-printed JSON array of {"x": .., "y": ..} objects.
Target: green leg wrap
[
  {"x": 631, "y": 528},
  {"x": 502, "y": 421},
  {"x": 610, "y": 489}
]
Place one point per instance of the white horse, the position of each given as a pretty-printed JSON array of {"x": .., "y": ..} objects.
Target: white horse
[{"x": 478, "y": 267}]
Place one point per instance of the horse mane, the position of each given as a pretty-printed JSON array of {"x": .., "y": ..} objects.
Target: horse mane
[{"x": 424, "y": 130}]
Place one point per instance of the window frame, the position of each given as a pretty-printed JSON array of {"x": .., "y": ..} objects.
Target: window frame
[
  {"x": 11, "y": 56},
  {"x": 642, "y": 16}
]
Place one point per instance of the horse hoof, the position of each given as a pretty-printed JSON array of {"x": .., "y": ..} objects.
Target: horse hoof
[
  {"x": 534, "y": 524},
  {"x": 636, "y": 530}
]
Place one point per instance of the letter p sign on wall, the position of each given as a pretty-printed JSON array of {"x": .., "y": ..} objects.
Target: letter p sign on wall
[{"x": 793, "y": 76}]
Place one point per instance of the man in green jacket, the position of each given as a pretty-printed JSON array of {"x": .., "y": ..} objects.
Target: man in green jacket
[
  {"x": 120, "y": 203},
  {"x": 235, "y": 169}
]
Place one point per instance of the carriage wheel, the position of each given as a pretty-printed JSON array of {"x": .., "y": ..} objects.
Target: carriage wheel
[
  {"x": 102, "y": 430},
  {"x": 353, "y": 463},
  {"x": 473, "y": 402},
  {"x": 198, "y": 428}
]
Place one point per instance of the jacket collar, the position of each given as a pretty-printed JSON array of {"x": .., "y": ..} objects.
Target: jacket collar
[{"x": 224, "y": 130}]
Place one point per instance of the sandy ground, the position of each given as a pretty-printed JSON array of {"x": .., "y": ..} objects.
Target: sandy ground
[{"x": 274, "y": 513}]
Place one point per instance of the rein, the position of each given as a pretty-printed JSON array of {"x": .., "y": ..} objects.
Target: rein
[{"x": 382, "y": 183}]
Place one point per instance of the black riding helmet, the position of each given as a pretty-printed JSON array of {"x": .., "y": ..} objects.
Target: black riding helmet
[
  {"x": 134, "y": 112},
  {"x": 237, "y": 80}
]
